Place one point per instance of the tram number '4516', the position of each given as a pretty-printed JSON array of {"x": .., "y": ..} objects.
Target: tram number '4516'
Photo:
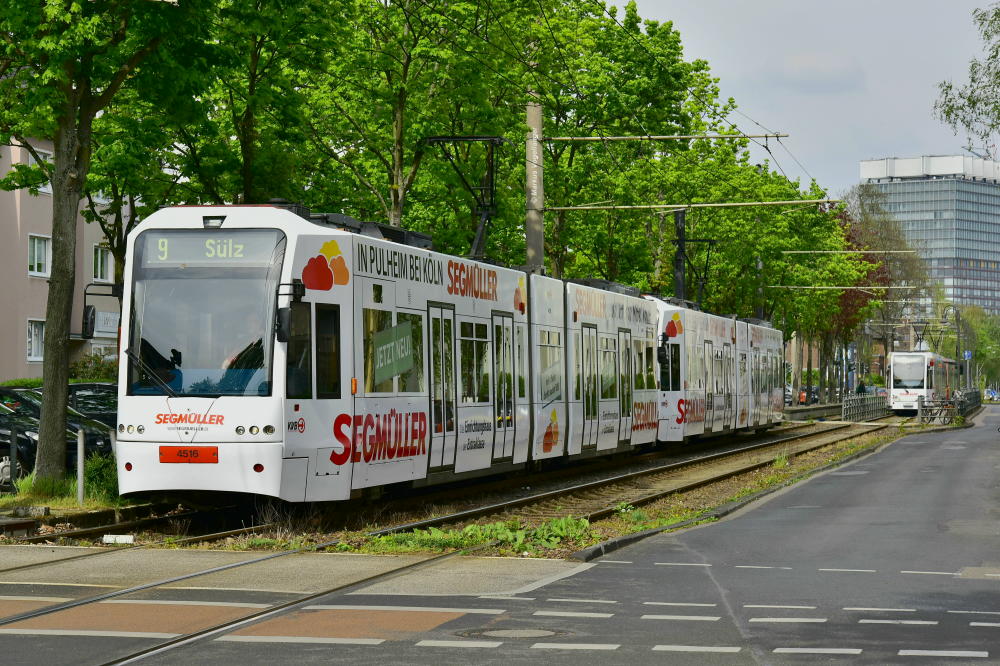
[{"x": 377, "y": 437}]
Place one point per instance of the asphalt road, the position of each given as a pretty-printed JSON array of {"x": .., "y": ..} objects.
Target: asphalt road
[{"x": 892, "y": 559}]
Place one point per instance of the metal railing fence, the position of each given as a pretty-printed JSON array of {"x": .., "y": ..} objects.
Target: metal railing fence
[{"x": 864, "y": 407}]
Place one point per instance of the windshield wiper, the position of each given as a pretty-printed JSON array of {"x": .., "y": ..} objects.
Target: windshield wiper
[{"x": 150, "y": 372}]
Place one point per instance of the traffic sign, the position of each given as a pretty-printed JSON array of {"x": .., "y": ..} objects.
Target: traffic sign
[{"x": 968, "y": 355}]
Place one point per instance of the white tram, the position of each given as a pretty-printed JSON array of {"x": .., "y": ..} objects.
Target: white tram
[
  {"x": 269, "y": 353},
  {"x": 918, "y": 375}
]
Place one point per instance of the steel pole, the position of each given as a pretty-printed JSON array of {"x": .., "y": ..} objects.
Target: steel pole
[{"x": 79, "y": 466}]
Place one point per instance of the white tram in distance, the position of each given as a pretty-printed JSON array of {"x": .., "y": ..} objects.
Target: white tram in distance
[
  {"x": 916, "y": 375},
  {"x": 271, "y": 353}
]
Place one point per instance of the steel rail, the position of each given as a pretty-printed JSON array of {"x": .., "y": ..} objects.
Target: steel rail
[{"x": 437, "y": 520}]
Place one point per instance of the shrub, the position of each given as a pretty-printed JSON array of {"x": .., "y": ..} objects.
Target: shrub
[
  {"x": 100, "y": 478},
  {"x": 93, "y": 367}
]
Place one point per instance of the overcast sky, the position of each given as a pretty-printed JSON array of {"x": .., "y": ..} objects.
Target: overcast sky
[{"x": 847, "y": 80}]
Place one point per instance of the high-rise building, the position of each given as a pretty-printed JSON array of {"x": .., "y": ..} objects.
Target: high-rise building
[{"x": 948, "y": 207}]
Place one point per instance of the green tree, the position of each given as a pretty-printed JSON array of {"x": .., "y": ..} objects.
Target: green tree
[
  {"x": 61, "y": 64},
  {"x": 972, "y": 106}
]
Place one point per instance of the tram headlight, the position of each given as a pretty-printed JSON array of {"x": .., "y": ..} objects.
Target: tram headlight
[
  {"x": 121, "y": 427},
  {"x": 268, "y": 430},
  {"x": 140, "y": 429},
  {"x": 240, "y": 430},
  {"x": 130, "y": 429},
  {"x": 254, "y": 430}
]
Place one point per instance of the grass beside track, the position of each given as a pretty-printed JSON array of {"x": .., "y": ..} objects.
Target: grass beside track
[
  {"x": 558, "y": 538},
  {"x": 555, "y": 538}
]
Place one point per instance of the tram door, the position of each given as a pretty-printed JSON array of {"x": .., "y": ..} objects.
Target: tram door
[
  {"x": 728, "y": 384},
  {"x": 591, "y": 387},
  {"x": 442, "y": 394},
  {"x": 709, "y": 386},
  {"x": 503, "y": 389},
  {"x": 755, "y": 388},
  {"x": 626, "y": 383}
]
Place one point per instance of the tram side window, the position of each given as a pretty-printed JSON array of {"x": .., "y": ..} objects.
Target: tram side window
[
  {"x": 475, "y": 362},
  {"x": 650, "y": 364},
  {"x": 521, "y": 389},
  {"x": 412, "y": 380},
  {"x": 374, "y": 321},
  {"x": 327, "y": 351},
  {"x": 675, "y": 367},
  {"x": 550, "y": 357},
  {"x": 578, "y": 367},
  {"x": 298, "y": 364},
  {"x": 637, "y": 365},
  {"x": 609, "y": 369}
]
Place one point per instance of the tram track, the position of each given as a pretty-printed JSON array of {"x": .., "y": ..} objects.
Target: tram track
[
  {"x": 591, "y": 500},
  {"x": 597, "y": 499}
]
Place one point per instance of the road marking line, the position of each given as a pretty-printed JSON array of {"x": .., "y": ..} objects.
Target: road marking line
[
  {"x": 752, "y": 566},
  {"x": 571, "y": 614},
  {"x": 676, "y": 603},
  {"x": 695, "y": 648},
  {"x": 301, "y": 639},
  {"x": 505, "y": 597},
  {"x": 428, "y": 609},
  {"x": 15, "y": 598},
  {"x": 577, "y": 646},
  {"x": 992, "y": 575},
  {"x": 694, "y": 618},
  {"x": 943, "y": 653},
  {"x": 14, "y": 582},
  {"x": 968, "y": 612},
  {"x": 81, "y": 632},
  {"x": 788, "y": 619},
  {"x": 984, "y": 624},
  {"x": 614, "y": 561},
  {"x": 586, "y": 601},
  {"x": 681, "y": 564},
  {"x": 932, "y": 573},
  {"x": 817, "y": 650},
  {"x": 869, "y": 621},
  {"x": 464, "y": 644},
  {"x": 851, "y": 570},
  {"x": 165, "y": 602},
  {"x": 887, "y": 610},
  {"x": 778, "y": 606}
]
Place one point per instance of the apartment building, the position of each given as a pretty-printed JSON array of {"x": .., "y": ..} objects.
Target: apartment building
[{"x": 25, "y": 264}]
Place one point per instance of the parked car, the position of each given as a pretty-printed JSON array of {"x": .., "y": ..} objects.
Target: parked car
[
  {"x": 98, "y": 400},
  {"x": 27, "y": 439},
  {"x": 25, "y": 408}
]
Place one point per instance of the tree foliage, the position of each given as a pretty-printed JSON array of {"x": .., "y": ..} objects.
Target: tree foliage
[{"x": 61, "y": 65}]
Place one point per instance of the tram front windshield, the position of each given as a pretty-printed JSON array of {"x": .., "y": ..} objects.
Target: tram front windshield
[
  {"x": 203, "y": 311},
  {"x": 908, "y": 372}
]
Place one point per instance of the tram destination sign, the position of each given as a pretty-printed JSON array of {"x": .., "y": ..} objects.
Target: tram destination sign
[{"x": 244, "y": 247}]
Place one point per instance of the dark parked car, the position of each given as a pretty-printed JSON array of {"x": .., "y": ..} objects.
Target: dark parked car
[
  {"x": 23, "y": 408},
  {"x": 98, "y": 400}
]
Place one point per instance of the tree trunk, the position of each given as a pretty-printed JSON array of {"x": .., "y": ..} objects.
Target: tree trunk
[{"x": 71, "y": 161}]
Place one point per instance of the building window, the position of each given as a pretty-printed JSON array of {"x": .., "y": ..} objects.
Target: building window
[
  {"x": 46, "y": 157},
  {"x": 36, "y": 335},
  {"x": 39, "y": 255},
  {"x": 103, "y": 264}
]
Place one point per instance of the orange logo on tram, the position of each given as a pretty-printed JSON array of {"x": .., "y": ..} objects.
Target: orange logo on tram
[{"x": 327, "y": 269}]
